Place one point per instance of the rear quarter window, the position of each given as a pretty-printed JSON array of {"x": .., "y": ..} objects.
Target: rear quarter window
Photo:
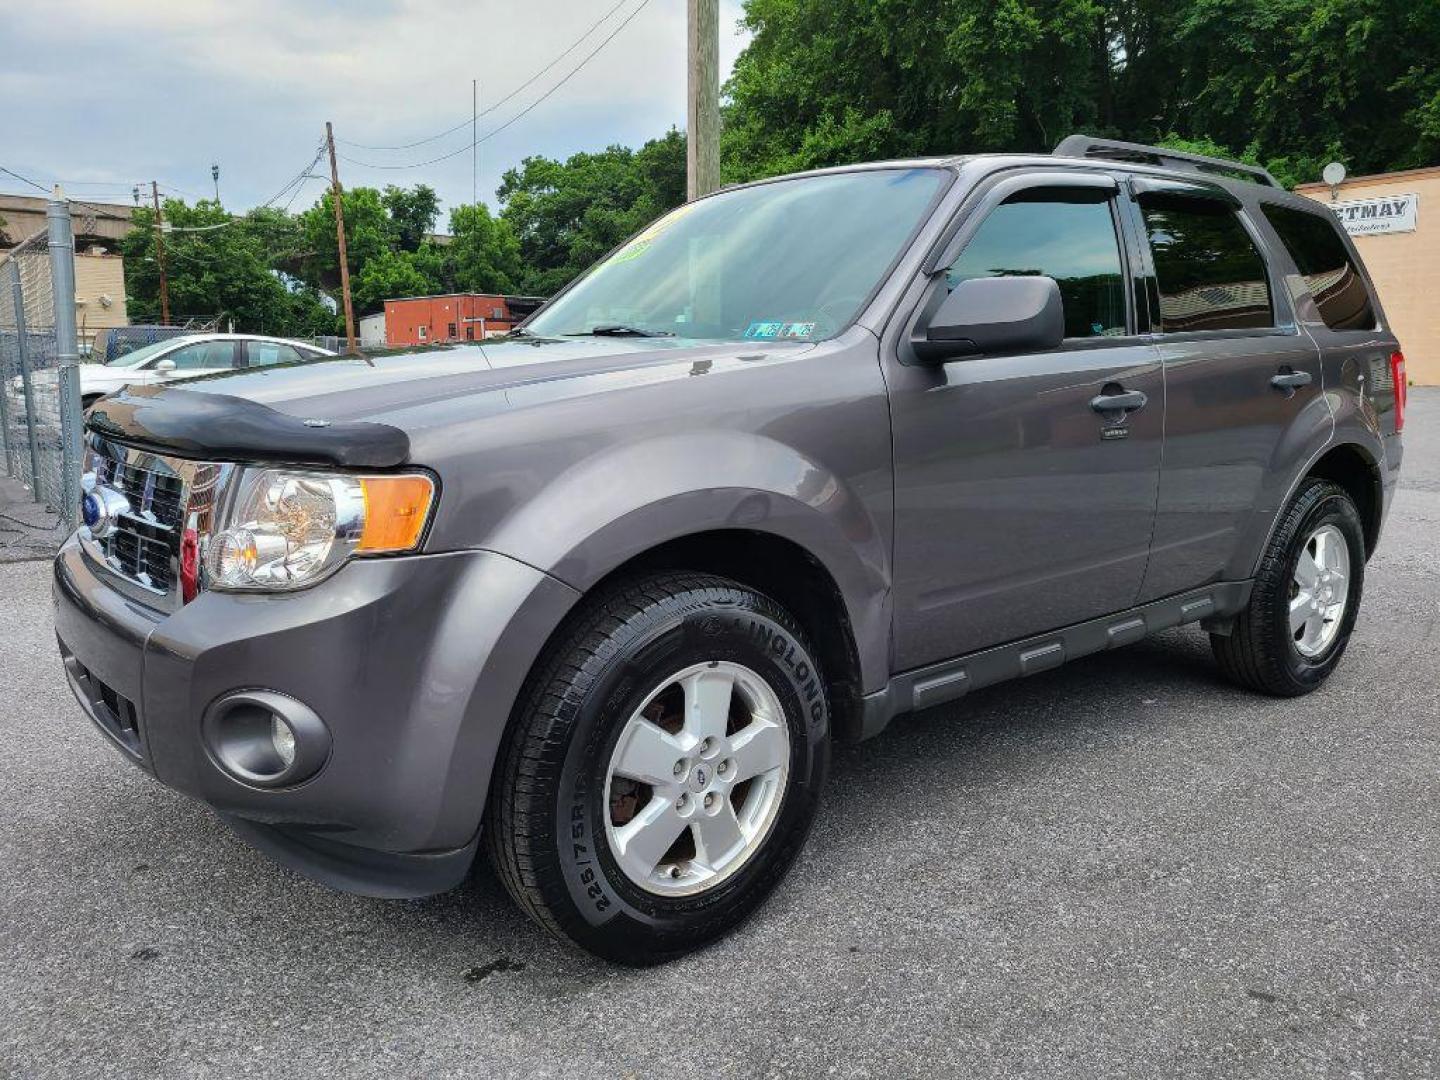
[{"x": 1330, "y": 274}]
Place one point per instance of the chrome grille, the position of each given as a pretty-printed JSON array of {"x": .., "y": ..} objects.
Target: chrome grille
[{"x": 166, "y": 495}]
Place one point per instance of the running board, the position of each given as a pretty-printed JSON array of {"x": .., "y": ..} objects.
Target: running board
[{"x": 950, "y": 679}]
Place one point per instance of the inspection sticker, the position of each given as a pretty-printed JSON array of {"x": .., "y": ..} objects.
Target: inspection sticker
[{"x": 770, "y": 330}]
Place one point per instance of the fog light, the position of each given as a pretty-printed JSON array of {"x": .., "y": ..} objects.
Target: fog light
[
  {"x": 265, "y": 739},
  {"x": 284, "y": 740}
]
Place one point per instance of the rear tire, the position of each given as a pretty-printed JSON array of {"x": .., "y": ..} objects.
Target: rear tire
[
  {"x": 1307, "y": 592},
  {"x": 679, "y": 678}
]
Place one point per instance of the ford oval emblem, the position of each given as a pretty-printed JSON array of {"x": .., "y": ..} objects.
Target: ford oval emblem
[
  {"x": 90, "y": 510},
  {"x": 100, "y": 510}
]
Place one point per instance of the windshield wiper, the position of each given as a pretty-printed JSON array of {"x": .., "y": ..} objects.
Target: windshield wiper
[{"x": 620, "y": 330}]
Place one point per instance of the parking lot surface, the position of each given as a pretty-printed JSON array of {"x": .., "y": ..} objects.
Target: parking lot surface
[{"x": 1124, "y": 868}]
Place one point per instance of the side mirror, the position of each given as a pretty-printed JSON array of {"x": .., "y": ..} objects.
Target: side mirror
[
  {"x": 993, "y": 315},
  {"x": 165, "y": 367}
]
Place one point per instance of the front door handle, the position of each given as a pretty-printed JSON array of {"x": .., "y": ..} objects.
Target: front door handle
[
  {"x": 1290, "y": 381},
  {"x": 1118, "y": 401}
]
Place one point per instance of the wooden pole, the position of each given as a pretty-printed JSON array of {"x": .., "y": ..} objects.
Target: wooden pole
[
  {"x": 702, "y": 144},
  {"x": 160, "y": 254},
  {"x": 337, "y": 195}
]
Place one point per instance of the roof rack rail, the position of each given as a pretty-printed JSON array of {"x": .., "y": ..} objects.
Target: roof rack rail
[{"x": 1084, "y": 146}]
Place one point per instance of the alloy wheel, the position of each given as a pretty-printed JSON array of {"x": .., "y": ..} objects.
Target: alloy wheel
[
  {"x": 1319, "y": 591},
  {"x": 696, "y": 779}
]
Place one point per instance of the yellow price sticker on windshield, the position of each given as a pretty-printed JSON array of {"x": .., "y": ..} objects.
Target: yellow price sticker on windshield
[{"x": 641, "y": 244}]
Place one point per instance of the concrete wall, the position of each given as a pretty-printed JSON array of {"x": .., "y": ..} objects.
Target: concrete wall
[{"x": 1404, "y": 266}]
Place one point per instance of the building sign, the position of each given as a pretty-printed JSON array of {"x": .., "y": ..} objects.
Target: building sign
[{"x": 1365, "y": 217}]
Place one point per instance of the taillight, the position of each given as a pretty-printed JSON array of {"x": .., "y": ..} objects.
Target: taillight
[{"x": 1397, "y": 377}]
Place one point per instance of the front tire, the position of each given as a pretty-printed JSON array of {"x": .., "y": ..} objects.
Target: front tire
[
  {"x": 1307, "y": 592},
  {"x": 664, "y": 767}
]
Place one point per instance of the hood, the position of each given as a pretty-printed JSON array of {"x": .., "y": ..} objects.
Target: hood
[{"x": 361, "y": 412}]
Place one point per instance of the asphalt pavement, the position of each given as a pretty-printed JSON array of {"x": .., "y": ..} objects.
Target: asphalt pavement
[{"x": 1124, "y": 868}]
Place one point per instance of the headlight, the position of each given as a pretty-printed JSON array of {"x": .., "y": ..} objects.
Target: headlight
[{"x": 287, "y": 529}]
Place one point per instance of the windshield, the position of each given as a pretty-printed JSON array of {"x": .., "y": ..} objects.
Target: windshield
[
  {"x": 790, "y": 259},
  {"x": 140, "y": 355}
]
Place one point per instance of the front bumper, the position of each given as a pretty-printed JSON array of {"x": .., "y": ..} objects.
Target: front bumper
[{"x": 412, "y": 663}]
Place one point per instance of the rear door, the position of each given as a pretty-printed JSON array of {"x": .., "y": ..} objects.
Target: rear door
[
  {"x": 1021, "y": 503},
  {"x": 1244, "y": 401}
]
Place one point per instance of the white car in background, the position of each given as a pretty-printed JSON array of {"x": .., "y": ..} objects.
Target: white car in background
[{"x": 191, "y": 355}]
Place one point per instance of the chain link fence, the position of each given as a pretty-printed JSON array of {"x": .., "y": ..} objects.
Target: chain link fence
[{"x": 40, "y": 416}]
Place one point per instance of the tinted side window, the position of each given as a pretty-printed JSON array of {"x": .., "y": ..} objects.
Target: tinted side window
[
  {"x": 1319, "y": 253},
  {"x": 1067, "y": 236},
  {"x": 1210, "y": 274}
]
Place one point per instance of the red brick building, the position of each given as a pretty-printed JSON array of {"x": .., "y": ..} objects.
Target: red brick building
[{"x": 426, "y": 320}]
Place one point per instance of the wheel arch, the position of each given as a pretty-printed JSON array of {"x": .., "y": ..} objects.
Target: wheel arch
[
  {"x": 1352, "y": 467},
  {"x": 791, "y": 576}
]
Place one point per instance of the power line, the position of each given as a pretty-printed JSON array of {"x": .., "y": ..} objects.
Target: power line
[
  {"x": 491, "y": 108},
  {"x": 496, "y": 131},
  {"x": 24, "y": 179},
  {"x": 292, "y": 189},
  {"x": 100, "y": 210}
]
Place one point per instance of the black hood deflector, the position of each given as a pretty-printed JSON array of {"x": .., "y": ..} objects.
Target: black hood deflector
[{"x": 219, "y": 427}]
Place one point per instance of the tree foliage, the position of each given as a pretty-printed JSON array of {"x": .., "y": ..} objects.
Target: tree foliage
[
  {"x": 1293, "y": 83},
  {"x": 412, "y": 213},
  {"x": 567, "y": 214},
  {"x": 227, "y": 271},
  {"x": 484, "y": 253}
]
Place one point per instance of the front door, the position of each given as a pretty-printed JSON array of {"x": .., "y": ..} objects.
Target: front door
[{"x": 1023, "y": 502}]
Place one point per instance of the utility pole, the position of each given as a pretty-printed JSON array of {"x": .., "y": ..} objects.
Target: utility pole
[
  {"x": 702, "y": 142},
  {"x": 215, "y": 175},
  {"x": 337, "y": 195},
  {"x": 474, "y": 141},
  {"x": 160, "y": 255}
]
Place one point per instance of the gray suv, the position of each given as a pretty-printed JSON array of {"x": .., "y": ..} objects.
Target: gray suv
[{"x": 800, "y": 457}]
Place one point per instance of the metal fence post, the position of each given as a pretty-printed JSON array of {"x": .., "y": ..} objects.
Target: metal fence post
[
  {"x": 7, "y": 442},
  {"x": 67, "y": 352},
  {"x": 22, "y": 344}
]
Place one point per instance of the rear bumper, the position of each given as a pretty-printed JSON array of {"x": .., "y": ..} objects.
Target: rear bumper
[{"x": 413, "y": 665}]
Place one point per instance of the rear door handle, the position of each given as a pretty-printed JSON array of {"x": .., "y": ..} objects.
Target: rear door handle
[
  {"x": 1119, "y": 401},
  {"x": 1291, "y": 380}
]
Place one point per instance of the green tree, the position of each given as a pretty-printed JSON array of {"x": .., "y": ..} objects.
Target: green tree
[
  {"x": 217, "y": 265},
  {"x": 483, "y": 255},
  {"x": 412, "y": 213},
  {"x": 386, "y": 276},
  {"x": 565, "y": 215},
  {"x": 369, "y": 233},
  {"x": 1292, "y": 83},
  {"x": 830, "y": 81}
]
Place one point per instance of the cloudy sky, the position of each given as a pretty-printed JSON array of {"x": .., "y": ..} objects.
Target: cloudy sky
[{"x": 101, "y": 95}]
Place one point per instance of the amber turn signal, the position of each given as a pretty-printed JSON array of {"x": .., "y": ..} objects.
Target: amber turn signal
[{"x": 396, "y": 510}]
